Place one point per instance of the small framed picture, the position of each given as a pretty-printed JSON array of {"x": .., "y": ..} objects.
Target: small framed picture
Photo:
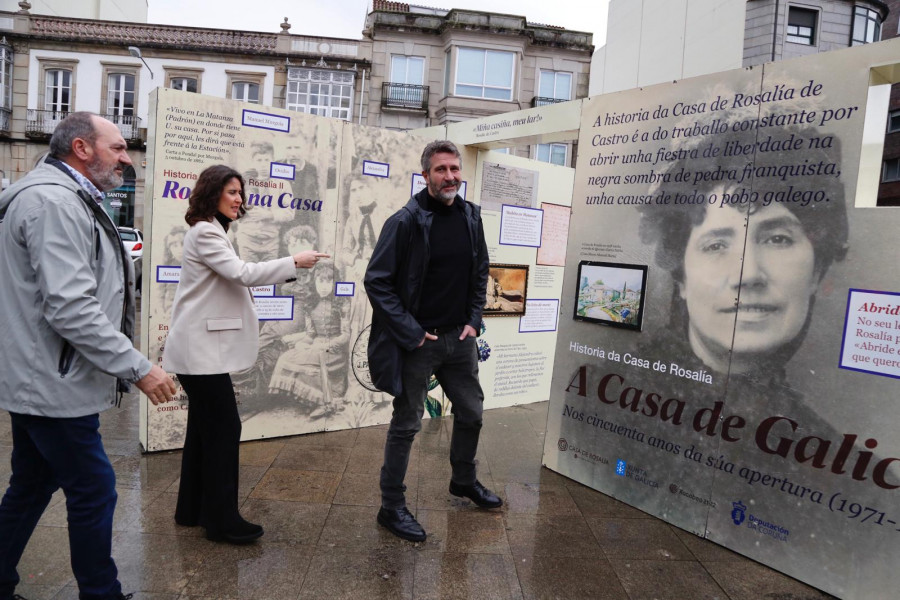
[
  {"x": 611, "y": 294},
  {"x": 506, "y": 289}
]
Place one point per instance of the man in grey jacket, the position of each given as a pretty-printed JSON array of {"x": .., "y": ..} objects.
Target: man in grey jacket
[{"x": 66, "y": 319}]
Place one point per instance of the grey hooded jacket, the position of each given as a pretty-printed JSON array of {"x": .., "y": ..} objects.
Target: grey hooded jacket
[{"x": 66, "y": 300}]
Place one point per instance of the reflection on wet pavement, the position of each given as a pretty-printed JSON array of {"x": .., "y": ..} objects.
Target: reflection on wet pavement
[{"x": 317, "y": 495}]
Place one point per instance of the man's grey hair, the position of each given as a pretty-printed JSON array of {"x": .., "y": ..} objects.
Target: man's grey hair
[
  {"x": 435, "y": 147},
  {"x": 77, "y": 125}
]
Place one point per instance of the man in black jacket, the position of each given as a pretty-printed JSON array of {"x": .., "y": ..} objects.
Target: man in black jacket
[{"x": 426, "y": 281}]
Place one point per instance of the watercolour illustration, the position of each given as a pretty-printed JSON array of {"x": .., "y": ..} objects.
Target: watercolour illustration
[{"x": 611, "y": 293}]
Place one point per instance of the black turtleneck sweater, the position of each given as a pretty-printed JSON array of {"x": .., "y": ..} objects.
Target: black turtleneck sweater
[
  {"x": 225, "y": 221},
  {"x": 445, "y": 291}
]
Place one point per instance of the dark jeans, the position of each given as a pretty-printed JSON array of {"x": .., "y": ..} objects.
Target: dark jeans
[
  {"x": 456, "y": 365},
  {"x": 208, "y": 491},
  {"x": 48, "y": 454}
]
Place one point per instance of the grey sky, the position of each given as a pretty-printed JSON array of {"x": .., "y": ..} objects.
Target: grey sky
[{"x": 345, "y": 18}]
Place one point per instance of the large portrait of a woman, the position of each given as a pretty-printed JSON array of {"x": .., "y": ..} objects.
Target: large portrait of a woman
[
  {"x": 745, "y": 275},
  {"x": 730, "y": 407}
]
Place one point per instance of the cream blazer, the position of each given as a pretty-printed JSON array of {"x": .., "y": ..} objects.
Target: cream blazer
[{"x": 214, "y": 328}]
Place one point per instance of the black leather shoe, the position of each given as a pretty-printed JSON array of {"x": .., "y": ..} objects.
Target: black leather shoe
[
  {"x": 243, "y": 532},
  {"x": 477, "y": 493},
  {"x": 401, "y": 523}
]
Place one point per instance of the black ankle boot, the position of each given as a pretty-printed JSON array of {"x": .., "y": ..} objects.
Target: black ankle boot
[{"x": 241, "y": 532}]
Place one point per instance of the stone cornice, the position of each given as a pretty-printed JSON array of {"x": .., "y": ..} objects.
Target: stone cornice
[
  {"x": 151, "y": 35},
  {"x": 392, "y": 17},
  {"x": 172, "y": 37}
]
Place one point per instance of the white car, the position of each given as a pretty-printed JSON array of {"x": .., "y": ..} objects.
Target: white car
[{"x": 133, "y": 241}]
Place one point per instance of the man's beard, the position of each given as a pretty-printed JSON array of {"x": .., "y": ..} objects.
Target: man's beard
[
  {"x": 104, "y": 179},
  {"x": 441, "y": 194}
]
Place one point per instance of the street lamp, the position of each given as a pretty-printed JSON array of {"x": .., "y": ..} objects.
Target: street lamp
[{"x": 136, "y": 52}]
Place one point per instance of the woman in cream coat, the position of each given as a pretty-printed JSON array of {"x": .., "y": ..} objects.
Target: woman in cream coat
[{"x": 214, "y": 331}]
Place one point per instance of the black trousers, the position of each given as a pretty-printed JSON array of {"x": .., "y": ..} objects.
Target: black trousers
[
  {"x": 208, "y": 492},
  {"x": 456, "y": 365}
]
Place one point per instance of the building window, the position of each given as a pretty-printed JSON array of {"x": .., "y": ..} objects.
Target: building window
[
  {"x": 801, "y": 26},
  {"x": 55, "y": 96},
  {"x": 185, "y": 84},
  {"x": 866, "y": 26},
  {"x": 893, "y": 124},
  {"x": 552, "y": 153},
  {"x": 320, "y": 92},
  {"x": 556, "y": 85},
  {"x": 406, "y": 87},
  {"x": 408, "y": 69},
  {"x": 890, "y": 170},
  {"x": 120, "y": 95},
  {"x": 186, "y": 80},
  {"x": 245, "y": 86},
  {"x": 58, "y": 90},
  {"x": 447, "y": 74},
  {"x": 119, "y": 98},
  {"x": 245, "y": 92},
  {"x": 484, "y": 74},
  {"x": 6, "y": 64},
  {"x": 120, "y": 90}
]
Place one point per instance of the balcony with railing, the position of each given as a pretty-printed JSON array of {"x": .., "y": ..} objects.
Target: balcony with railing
[
  {"x": 40, "y": 124},
  {"x": 544, "y": 101},
  {"x": 129, "y": 126},
  {"x": 5, "y": 121},
  {"x": 404, "y": 96}
]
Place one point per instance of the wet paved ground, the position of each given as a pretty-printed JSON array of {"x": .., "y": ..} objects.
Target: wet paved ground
[{"x": 317, "y": 495}]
